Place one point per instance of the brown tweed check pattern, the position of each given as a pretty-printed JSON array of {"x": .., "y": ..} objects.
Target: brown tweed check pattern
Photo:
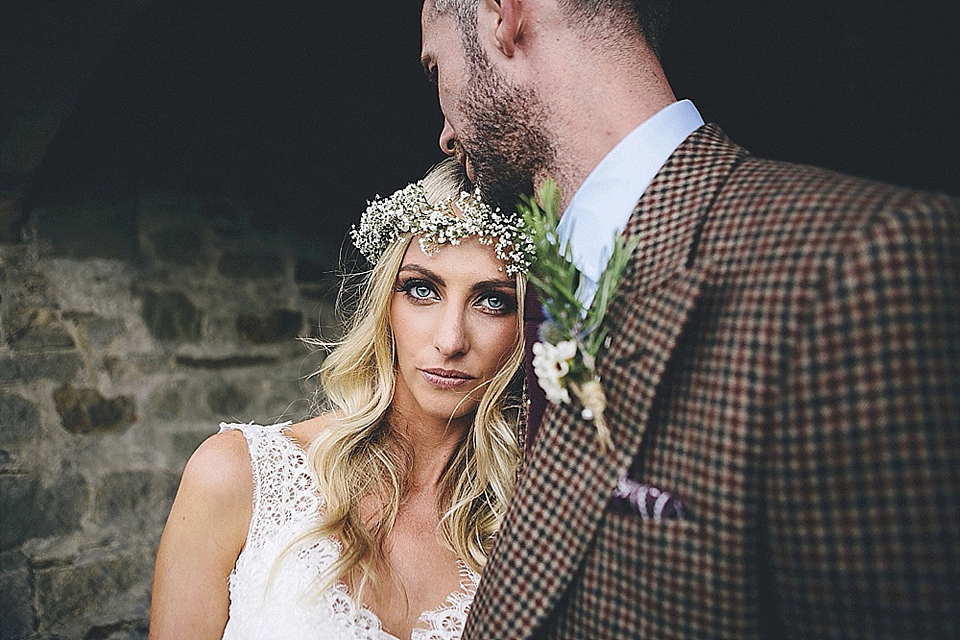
[{"x": 785, "y": 359}]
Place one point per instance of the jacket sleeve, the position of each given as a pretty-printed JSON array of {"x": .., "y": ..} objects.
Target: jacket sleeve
[{"x": 863, "y": 479}]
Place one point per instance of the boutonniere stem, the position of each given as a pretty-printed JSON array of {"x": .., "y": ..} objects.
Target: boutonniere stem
[{"x": 572, "y": 334}]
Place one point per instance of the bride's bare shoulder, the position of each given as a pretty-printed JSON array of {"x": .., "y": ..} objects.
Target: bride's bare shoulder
[
  {"x": 305, "y": 432},
  {"x": 221, "y": 465}
]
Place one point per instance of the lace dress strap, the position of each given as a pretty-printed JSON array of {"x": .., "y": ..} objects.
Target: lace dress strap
[{"x": 284, "y": 490}]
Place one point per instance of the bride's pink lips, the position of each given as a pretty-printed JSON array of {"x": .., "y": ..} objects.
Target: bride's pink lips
[{"x": 446, "y": 378}]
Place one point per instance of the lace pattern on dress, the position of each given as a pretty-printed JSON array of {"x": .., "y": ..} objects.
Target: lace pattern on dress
[
  {"x": 446, "y": 622},
  {"x": 284, "y": 490},
  {"x": 272, "y": 586}
]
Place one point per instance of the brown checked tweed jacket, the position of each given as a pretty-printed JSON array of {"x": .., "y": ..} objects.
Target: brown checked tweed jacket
[{"x": 784, "y": 359}]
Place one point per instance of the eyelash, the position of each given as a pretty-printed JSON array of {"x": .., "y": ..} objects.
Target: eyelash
[
  {"x": 407, "y": 288},
  {"x": 509, "y": 304}
]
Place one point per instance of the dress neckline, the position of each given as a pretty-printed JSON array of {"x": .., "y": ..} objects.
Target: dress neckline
[{"x": 456, "y": 600}]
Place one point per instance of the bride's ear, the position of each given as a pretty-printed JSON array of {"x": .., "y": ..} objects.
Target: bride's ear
[{"x": 505, "y": 18}]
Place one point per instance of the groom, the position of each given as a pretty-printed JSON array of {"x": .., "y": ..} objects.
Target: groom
[{"x": 783, "y": 369}]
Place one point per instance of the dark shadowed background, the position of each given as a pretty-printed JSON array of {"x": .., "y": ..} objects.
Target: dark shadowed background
[
  {"x": 311, "y": 107},
  {"x": 176, "y": 180}
]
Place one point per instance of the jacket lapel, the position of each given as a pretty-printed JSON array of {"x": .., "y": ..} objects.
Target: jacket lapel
[{"x": 568, "y": 481}]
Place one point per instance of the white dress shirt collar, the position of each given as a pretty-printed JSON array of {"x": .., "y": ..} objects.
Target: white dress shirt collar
[{"x": 601, "y": 207}]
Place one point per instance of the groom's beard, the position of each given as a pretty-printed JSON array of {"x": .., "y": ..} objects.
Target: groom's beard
[{"x": 504, "y": 136}]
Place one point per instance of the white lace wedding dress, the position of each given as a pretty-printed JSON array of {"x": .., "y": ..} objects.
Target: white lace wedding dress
[{"x": 277, "y": 600}]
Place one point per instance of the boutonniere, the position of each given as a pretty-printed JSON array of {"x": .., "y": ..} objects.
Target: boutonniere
[{"x": 572, "y": 335}]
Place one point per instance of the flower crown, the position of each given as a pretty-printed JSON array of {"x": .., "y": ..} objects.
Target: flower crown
[{"x": 408, "y": 211}]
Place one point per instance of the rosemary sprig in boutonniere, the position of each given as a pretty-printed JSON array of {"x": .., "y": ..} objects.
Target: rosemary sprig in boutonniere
[{"x": 572, "y": 335}]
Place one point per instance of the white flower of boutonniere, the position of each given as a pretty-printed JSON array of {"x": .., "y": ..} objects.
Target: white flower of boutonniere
[
  {"x": 571, "y": 336},
  {"x": 551, "y": 363}
]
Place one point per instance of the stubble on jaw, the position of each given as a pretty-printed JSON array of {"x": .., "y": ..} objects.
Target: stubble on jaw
[{"x": 504, "y": 132}]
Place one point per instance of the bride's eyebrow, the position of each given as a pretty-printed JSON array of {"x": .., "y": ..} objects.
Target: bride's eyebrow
[
  {"x": 504, "y": 283},
  {"x": 422, "y": 271}
]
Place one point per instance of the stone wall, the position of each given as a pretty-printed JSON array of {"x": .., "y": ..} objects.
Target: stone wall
[{"x": 128, "y": 331}]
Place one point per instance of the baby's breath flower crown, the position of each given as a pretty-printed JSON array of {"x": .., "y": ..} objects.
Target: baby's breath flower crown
[{"x": 408, "y": 211}]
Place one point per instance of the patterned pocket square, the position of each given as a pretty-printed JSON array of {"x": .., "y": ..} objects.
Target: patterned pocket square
[{"x": 649, "y": 502}]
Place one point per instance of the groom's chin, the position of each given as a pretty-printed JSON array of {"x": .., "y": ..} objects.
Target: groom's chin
[
  {"x": 505, "y": 199},
  {"x": 499, "y": 185}
]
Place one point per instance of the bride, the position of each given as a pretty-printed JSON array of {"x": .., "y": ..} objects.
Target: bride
[{"x": 375, "y": 518}]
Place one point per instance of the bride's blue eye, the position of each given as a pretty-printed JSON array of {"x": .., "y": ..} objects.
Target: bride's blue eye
[
  {"x": 420, "y": 291},
  {"x": 498, "y": 303},
  {"x": 417, "y": 289}
]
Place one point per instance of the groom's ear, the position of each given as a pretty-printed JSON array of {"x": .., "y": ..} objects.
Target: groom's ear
[{"x": 505, "y": 17}]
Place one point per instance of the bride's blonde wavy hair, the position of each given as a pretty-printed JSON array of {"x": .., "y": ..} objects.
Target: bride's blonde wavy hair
[{"x": 359, "y": 455}]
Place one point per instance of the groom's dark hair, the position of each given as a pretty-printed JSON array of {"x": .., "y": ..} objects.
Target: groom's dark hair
[
  {"x": 605, "y": 19},
  {"x": 621, "y": 18}
]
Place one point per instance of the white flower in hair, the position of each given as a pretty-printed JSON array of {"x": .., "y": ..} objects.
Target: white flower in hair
[{"x": 408, "y": 211}]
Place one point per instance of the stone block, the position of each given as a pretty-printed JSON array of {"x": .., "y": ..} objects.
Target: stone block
[
  {"x": 29, "y": 367},
  {"x": 166, "y": 403},
  {"x": 123, "y": 630},
  {"x": 228, "y": 362},
  {"x": 96, "y": 330},
  {"x": 250, "y": 264},
  {"x": 17, "y": 616},
  {"x": 94, "y": 591},
  {"x": 280, "y": 326},
  {"x": 142, "y": 498},
  {"x": 36, "y": 329},
  {"x": 12, "y": 561},
  {"x": 32, "y": 289},
  {"x": 31, "y": 510},
  {"x": 227, "y": 401},
  {"x": 19, "y": 419},
  {"x": 170, "y": 315},
  {"x": 86, "y": 411}
]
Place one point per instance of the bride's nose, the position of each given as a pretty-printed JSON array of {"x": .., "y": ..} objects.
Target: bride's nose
[{"x": 451, "y": 333}]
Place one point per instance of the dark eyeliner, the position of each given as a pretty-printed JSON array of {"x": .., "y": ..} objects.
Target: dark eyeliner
[
  {"x": 407, "y": 285},
  {"x": 509, "y": 301}
]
